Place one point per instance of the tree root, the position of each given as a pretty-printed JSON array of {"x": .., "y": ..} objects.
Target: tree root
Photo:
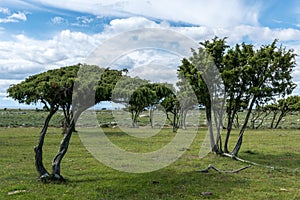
[
  {"x": 247, "y": 161},
  {"x": 53, "y": 178},
  {"x": 222, "y": 171}
]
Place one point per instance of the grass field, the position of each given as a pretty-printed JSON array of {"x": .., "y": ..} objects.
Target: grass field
[
  {"x": 87, "y": 178},
  {"x": 35, "y": 118}
]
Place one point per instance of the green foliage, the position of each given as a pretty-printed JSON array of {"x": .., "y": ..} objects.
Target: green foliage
[
  {"x": 125, "y": 87},
  {"x": 53, "y": 87},
  {"x": 147, "y": 96},
  {"x": 73, "y": 89},
  {"x": 251, "y": 77}
]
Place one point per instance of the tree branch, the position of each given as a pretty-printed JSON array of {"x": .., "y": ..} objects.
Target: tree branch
[{"x": 222, "y": 171}]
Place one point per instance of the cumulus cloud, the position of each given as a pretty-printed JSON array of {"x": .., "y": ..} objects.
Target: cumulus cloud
[
  {"x": 4, "y": 84},
  {"x": 26, "y": 56},
  {"x": 150, "y": 64},
  {"x": 29, "y": 56},
  {"x": 131, "y": 23}
]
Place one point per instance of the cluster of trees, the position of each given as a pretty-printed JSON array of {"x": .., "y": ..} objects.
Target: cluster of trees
[
  {"x": 220, "y": 78},
  {"x": 251, "y": 77},
  {"x": 140, "y": 95},
  {"x": 276, "y": 111}
]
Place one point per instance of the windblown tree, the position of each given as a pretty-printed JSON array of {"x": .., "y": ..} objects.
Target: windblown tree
[
  {"x": 269, "y": 74},
  {"x": 172, "y": 105},
  {"x": 54, "y": 89},
  {"x": 147, "y": 96},
  {"x": 139, "y": 100},
  {"x": 282, "y": 108},
  {"x": 250, "y": 77},
  {"x": 125, "y": 88},
  {"x": 162, "y": 90},
  {"x": 178, "y": 104},
  {"x": 188, "y": 100},
  {"x": 258, "y": 116}
]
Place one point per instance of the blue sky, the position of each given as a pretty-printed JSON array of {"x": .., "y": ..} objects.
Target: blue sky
[{"x": 37, "y": 35}]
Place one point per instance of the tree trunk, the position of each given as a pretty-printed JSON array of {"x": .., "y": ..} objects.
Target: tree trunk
[
  {"x": 229, "y": 128},
  {"x": 273, "y": 119},
  {"x": 237, "y": 123},
  {"x": 43, "y": 173},
  {"x": 183, "y": 119},
  {"x": 240, "y": 139},
  {"x": 61, "y": 153},
  {"x": 134, "y": 116},
  {"x": 174, "y": 123},
  {"x": 151, "y": 116},
  {"x": 218, "y": 125},
  {"x": 262, "y": 120},
  {"x": 282, "y": 114},
  {"x": 68, "y": 117},
  {"x": 213, "y": 144}
]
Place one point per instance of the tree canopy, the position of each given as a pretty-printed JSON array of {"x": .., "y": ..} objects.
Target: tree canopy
[
  {"x": 55, "y": 89},
  {"x": 250, "y": 76}
]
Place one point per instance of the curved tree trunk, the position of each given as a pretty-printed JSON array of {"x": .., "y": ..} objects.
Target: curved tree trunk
[
  {"x": 61, "y": 153},
  {"x": 282, "y": 114},
  {"x": 43, "y": 173}
]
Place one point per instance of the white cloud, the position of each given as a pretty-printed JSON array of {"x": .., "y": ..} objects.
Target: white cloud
[
  {"x": 85, "y": 19},
  {"x": 14, "y": 17},
  {"x": 18, "y": 16},
  {"x": 4, "y": 84},
  {"x": 122, "y": 25},
  {"x": 5, "y": 11},
  {"x": 58, "y": 20},
  {"x": 151, "y": 64},
  {"x": 26, "y": 56},
  {"x": 200, "y": 12}
]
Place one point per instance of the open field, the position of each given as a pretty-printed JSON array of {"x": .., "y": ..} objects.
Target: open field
[
  {"x": 35, "y": 118},
  {"x": 87, "y": 178}
]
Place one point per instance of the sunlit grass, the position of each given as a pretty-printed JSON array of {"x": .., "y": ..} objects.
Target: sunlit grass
[{"x": 87, "y": 178}]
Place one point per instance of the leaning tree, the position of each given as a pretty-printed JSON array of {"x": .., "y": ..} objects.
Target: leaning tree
[
  {"x": 282, "y": 108},
  {"x": 250, "y": 77},
  {"x": 55, "y": 90}
]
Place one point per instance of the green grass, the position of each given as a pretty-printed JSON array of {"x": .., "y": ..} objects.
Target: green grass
[
  {"x": 34, "y": 118},
  {"x": 87, "y": 178}
]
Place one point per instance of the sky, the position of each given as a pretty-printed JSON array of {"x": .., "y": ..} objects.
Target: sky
[{"x": 38, "y": 35}]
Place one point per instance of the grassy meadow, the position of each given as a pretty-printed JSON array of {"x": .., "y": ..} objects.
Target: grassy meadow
[{"x": 278, "y": 151}]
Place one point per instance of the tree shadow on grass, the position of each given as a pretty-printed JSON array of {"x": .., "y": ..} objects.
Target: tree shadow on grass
[
  {"x": 288, "y": 160},
  {"x": 162, "y": 184}
]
